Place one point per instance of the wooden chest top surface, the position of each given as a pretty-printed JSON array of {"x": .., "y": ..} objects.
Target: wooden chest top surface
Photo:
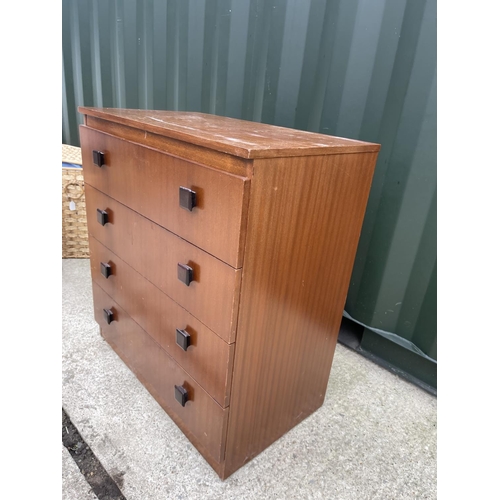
[{"x": 228, "y": 135}]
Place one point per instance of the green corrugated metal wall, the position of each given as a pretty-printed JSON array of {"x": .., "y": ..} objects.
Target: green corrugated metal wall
[{"x": 364, "y": 69}]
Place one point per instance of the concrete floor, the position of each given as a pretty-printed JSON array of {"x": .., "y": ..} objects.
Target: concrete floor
[{"x": 374, "y": 437}]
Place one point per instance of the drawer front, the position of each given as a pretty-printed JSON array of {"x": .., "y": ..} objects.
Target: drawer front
[
  {"x": 212, "y": 297},
  {"x": 201, "y": 416},
  {"x": 149, "y": 181},
  {"x": 198, "y": 350}
]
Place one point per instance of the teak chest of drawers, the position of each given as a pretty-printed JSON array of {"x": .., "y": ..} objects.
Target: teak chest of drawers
[{"x": 221, "y": 253}]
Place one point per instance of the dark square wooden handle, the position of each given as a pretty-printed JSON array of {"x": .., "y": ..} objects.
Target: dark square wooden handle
[
  {"x": 98, "y": 157},
  {"x": 187, "y": 198},
  {"x": 184, "y": 273},
  {"x": 181, "y": 395},
  {"x": 183, "y": 339},
  {"x": 105, "y": 270},
  {"x": 108, "y": 315},
  {"x": 102, "y": 217}
]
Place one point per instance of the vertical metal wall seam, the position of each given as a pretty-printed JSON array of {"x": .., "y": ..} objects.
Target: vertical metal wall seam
[
  {"x": 175, "y": 48},
  {"x": 76, "y": 58},
  {"x": 237, "y": 50},
  {"x": 117, "y": 55},
  {"x": 261, "y": 66},
  {"x": 291, "y": 62},
  {"x": 66, "y": 134},
  {"x": 95, "y": 48},
  {"x": 341, "y": 53},
  {"x": 194, "y": 53},
  {"x": 145, "y": 54}
]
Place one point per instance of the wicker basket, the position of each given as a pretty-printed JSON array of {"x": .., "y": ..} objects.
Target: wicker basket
[{"x": 75, "y": 240}]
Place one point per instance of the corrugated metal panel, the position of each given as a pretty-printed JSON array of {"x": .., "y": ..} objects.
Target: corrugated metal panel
[{"x": 364, "y": 69}]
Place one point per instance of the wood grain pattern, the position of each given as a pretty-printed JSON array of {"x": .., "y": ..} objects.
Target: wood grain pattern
[
  {"x": 148, "y": 182},
  {"x": 305, "y": 220},
  {"x": 154, "y": 253},
  {"x": 209, "y": 360},
  {"x": 228, "y": 135},
  {"x": 202, "y": 419},
  {"x": 174, "y": 147}
]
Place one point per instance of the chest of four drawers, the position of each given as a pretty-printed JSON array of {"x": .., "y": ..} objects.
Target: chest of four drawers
[
  {"x": 164, "y": 275},
  {"x": 220, "y": 269}
]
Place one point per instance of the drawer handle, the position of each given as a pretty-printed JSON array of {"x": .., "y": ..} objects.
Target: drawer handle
[
  {"x": 108, "y": 316},
  {"x": 183, "y": 339},
  {"x": 98, "y": 157},
  {"x": 102, "y": 217},
  {"x": 184, "y": 273},
  {"x": 105, "y": 270},
  {"x": 187, "y": 198},
  {"x": 181, "y": 395}
]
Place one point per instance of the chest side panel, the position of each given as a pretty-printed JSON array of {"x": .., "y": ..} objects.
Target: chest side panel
[{"x": 305, "y": 218}]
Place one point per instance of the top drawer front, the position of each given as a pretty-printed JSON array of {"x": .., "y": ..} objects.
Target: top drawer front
[{"x": 148, "y": 181}]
